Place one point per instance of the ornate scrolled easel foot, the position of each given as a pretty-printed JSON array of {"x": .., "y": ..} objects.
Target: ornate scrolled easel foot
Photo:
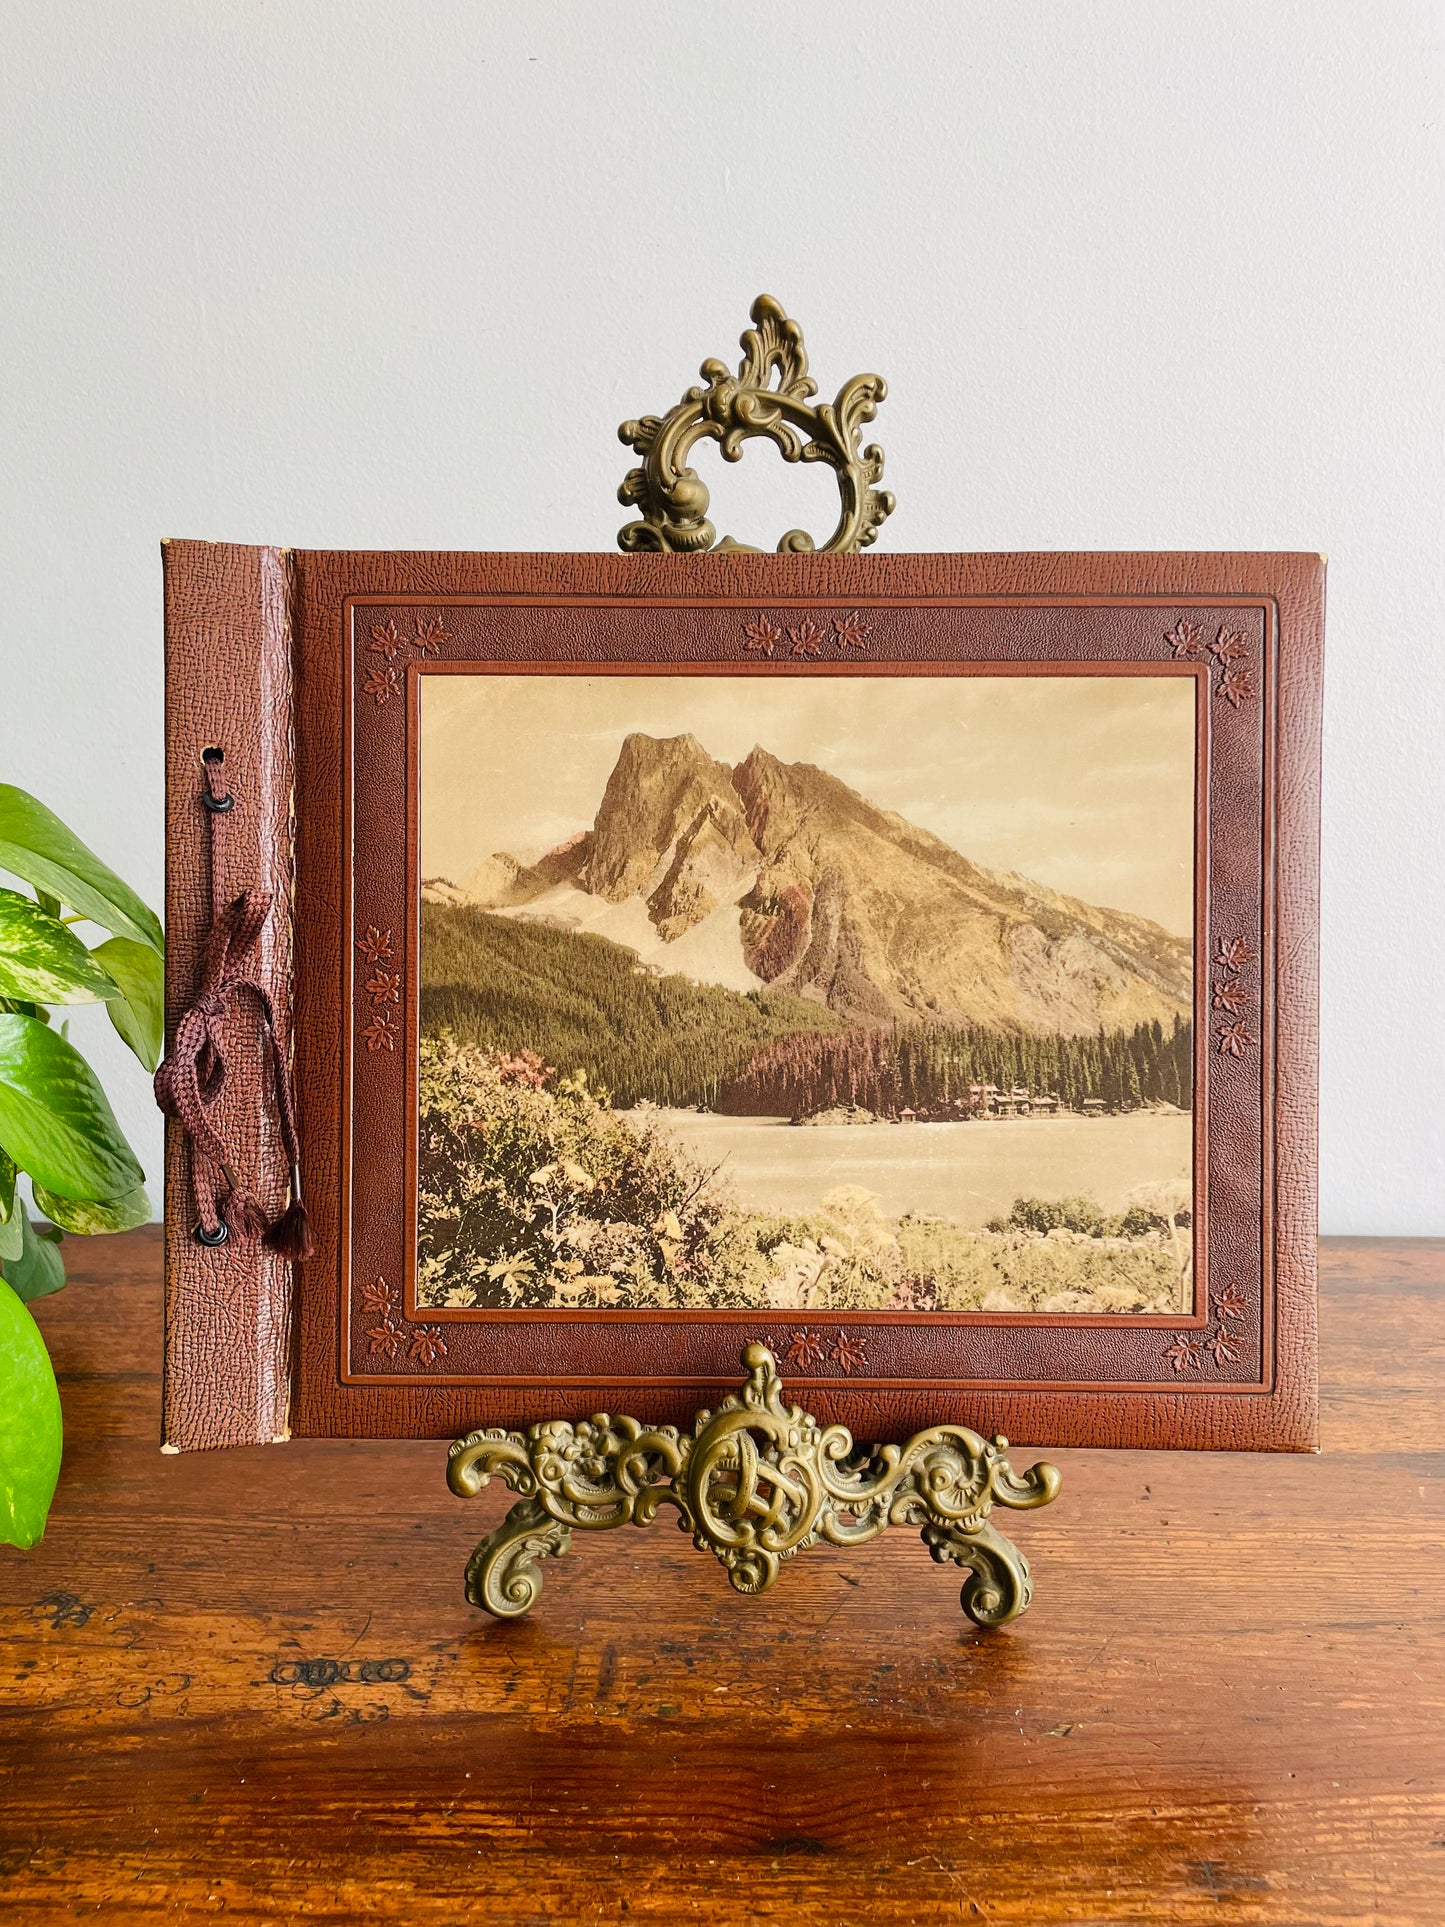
[
  {"x": 999, "y": 1587},
  {"x": 754, "y": 1483},
  {"x": 502, "y": 1575}
]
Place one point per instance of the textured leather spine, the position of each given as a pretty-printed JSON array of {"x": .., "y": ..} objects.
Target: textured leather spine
[{"x": 228, "y": 687}]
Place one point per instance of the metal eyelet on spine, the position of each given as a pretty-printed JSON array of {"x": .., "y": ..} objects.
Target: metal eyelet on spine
[
  {"x": 218, "y": 805},
  {"x": 219, "y": 1236}
]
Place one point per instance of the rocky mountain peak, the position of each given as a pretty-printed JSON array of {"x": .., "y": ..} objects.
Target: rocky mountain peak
[
  {"x": 670, "y": 826},
  {"x": 852, "y": 905}
]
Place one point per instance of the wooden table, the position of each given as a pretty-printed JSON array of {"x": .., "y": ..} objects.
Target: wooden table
[{"x": 245, "y": 1684}]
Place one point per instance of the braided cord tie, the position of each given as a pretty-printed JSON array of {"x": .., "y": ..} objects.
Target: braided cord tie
[{"x": 189, "y": 1083}]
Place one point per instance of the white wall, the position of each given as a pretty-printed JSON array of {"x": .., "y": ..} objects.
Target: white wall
[{"x": 382, "y": 273}]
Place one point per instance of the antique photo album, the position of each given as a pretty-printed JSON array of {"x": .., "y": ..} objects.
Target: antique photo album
[{"x": 907, "y": 961}]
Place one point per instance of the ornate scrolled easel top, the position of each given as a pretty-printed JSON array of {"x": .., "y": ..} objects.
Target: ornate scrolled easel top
[{"x": 673, "y": 499}]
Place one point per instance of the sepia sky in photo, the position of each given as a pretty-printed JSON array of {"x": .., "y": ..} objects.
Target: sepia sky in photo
[{"x": 1082, "y": 783}]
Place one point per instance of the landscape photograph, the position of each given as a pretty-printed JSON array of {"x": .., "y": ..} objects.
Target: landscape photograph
[{"x": 813, "y": 994}]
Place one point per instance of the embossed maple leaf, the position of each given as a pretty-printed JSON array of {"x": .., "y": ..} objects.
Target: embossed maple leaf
[
  {"x": 1236, "y": 683},
  {"x": 382, "y": 682},
  {"x": 1231, "y": 995},
  {"x": 852, "y": 631},
  {"x": 431, "y": 633},
  {"x": 761, "y": 637},
  {"x": 386, "y": 639},
  {"x": 428, "y": 1345},
  {"x": 1225, "y": 1346},
  {"x": 1230, "y": 1303},
  {"x": 1187, "y": 1350},
  {"x": 375, "y": 944},
  {"x": 807, "y": 1350},
  {"x": 385, "y": 1338},
  {"x": 849, "y": 1353},
  {"x": 1235, "y": 1040},
  {"x": 382, "y": 987},
  {"x": 1232, "y": 952},
  {"x": 376, "y": 1297},
  {"x": 380, "y": 1033},
  {"x": 1186, "y": 639},
  {"x": 1229, "y": 646},
  {"x": 807, "y": 639}
]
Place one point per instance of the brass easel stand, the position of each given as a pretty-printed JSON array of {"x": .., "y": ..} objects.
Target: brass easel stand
[{"x": 758, "y": 1480}]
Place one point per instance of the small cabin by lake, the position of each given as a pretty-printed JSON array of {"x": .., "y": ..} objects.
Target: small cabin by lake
[{"x": 990, "y": 1100}]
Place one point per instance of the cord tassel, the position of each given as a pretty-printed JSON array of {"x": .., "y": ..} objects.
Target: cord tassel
[
  {"x": 243, "y": 1217},
  {"x": 291, "y": 1236}
]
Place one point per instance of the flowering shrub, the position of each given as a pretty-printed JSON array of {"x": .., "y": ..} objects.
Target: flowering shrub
[
  {"x": 1083, "y": 1214},
  {"x": 945, "y": 1269},
  {"x": 532, "y": 1191}
]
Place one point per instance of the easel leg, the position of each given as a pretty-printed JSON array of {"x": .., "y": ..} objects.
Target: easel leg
[
  {"x": 999, "y": 1587},
  {"x": 502, "y": 1577}
]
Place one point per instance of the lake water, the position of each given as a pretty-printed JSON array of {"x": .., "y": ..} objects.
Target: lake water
[{"x": 966, "y": 1172}]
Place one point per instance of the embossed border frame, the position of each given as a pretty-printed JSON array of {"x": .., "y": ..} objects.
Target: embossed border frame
[{"x": 1263, "y": 1396}]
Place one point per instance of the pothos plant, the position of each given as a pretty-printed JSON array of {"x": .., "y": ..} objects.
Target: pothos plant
[{"x": 56, "y": 1125}]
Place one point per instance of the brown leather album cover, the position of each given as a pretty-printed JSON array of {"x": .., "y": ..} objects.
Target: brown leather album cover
[{"x": 906, "y": 961}]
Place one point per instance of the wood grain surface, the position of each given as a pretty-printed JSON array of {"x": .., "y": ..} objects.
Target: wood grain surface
[{"x": 245, "y": 1684}]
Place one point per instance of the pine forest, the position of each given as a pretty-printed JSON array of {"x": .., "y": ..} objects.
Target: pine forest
[{"x": 585, "y": 1004}]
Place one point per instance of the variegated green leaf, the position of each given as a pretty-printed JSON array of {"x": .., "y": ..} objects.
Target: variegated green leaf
[
  {"x": 39, "y": 1268},
  {"x": 36, "y": 845},
  {"x": 30, "y": 1432},
  {"x": 43, "y": 962},
  {"x": 116, "y": 1214},
  {"x": 55, "y": 1121},
  {"x": 138, "y": 1014}
]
